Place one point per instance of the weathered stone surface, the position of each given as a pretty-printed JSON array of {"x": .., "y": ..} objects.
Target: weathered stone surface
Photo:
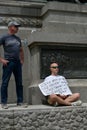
[
  {"x": 13, "y": 8},
  {"x": 44, "y": 118},
  {"x": 25, "y": 22}
]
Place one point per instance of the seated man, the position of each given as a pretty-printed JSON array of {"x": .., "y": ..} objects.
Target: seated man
[{"x": 67, "y": 100}]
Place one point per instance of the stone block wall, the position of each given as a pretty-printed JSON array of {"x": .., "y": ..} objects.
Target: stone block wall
[{"x": 44, "y": 118}]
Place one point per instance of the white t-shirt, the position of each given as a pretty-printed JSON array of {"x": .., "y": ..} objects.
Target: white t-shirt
[{"x": 59, "y": 77}]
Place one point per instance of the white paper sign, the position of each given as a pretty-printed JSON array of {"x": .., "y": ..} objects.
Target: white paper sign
[{"x": 55, "y": 86}]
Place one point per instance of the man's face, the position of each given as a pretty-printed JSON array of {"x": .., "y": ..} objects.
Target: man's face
[
  {"x": 54, "y": 68},
  {"x": 13, "y": 29}
]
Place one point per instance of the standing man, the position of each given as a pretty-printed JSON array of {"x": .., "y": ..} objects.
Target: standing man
[
  {"x": 12, "y": 63},
  {"x": 67, "y": 100}
]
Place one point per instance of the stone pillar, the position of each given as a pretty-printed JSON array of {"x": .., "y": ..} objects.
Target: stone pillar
[{"x": 64, "y": 31}]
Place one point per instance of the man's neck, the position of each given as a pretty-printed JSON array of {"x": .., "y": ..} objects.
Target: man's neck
[{"x": 54, "y": 74}]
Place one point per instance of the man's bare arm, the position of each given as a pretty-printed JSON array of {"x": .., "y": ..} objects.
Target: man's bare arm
[{"x": 21, "y": 55}]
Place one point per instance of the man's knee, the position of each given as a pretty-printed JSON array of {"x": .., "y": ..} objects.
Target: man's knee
[
  {"x": 77, "y": 95},
  {"x": 53, "y": 97}
]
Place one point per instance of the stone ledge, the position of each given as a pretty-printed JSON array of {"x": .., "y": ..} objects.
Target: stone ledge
[
  {"x": 64, "y": 7},
  {"x": 40, "y": 117},
  {"x": 21, "y": 3},
  {"x": 20, "y": 9},
  {"x": 45, "y": 38},
  {"x": 13, "y": 107}
]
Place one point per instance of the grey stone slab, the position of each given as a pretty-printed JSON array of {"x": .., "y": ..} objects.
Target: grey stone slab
[
  {"x": 20, "y": 11},
  {"x": 22, "y": 3},
  {"x": 47, "y": 38},
  {"x": 13, "y": 8},
  {"x": 64, "y": 7},
  {"x": 65, "y": 27},
  {"x": 82, "y": 91},
  {"x": 35, "y": 95}
]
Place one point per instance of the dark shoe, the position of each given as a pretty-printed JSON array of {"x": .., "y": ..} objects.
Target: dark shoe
[
  {"x": 4, "y": 106},
  {"x": 22, "y": 105}
]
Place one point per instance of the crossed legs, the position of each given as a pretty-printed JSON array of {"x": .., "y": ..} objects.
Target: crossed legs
[{"x": 63, "y": 100}]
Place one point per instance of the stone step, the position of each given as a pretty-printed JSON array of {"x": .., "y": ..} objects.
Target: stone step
[{"x": 41, "y": 117}]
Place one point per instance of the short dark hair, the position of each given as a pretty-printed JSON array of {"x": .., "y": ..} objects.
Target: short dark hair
[{"x": 53, "y": 62}]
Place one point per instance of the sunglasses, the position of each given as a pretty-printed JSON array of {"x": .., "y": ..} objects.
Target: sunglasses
[
  {"x": 54, "y": 67},
  {"x": 16, "y": 26}
]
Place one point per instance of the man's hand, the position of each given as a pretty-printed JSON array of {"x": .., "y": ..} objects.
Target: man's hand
[
  {"x": 22, "y": 61},
  {"x": 4, "y": 62},
  {"x": 63, "y": 96}
]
